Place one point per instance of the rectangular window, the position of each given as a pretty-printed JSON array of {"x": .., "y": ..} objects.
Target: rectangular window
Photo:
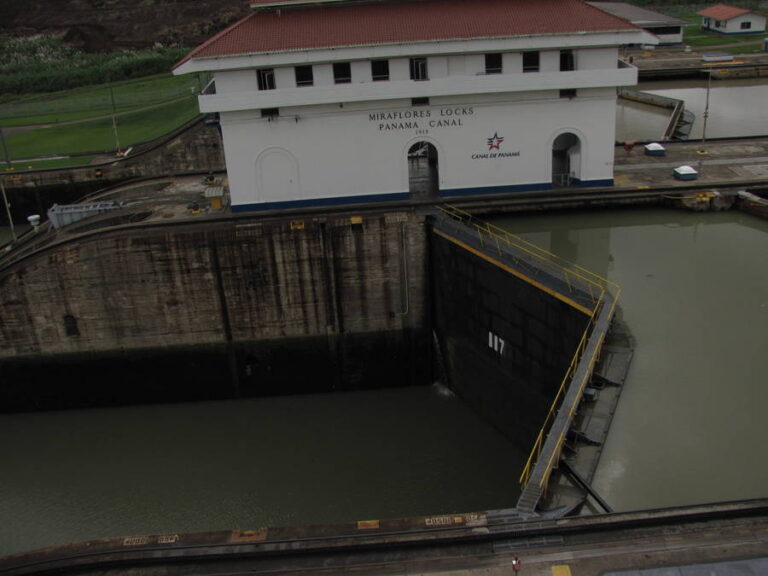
[
  {"x": 70, "y": 326},
  {"x": 666, "y": 30},
  {"x": 419, "y": 101},
  {"x": 718, "y": 24},
  {"x": 746, "y": 25},
  {"x": 270, "y": 113},
  {"x": 380, "y": 70},
  {"x": 568, "y": 93},
  {"x": 493, "y": 63},
  {"x": 530, "y": 61},
  {"x": 342, "y": 73},
  {"x": 304, "y": 76},
  {"x": 566, "y": 60},
  {"x": 266, "y": 78},
  {"x": 419, "y": 69}
]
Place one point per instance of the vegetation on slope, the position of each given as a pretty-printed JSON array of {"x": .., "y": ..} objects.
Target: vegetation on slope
[{"x": 45, "y": 64}]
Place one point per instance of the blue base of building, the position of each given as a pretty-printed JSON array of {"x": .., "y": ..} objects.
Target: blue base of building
[
  {"x": 319, "y": 202},
  {"x": 516, "y": 188},
  {"x": 401, "y": 196},
  {"x": 605, "y": 182},
  {"x": 485, "y": 190}
]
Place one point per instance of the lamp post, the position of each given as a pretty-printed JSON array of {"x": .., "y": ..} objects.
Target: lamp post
[
  {"x": 706, "y": 114},
  {"x": 114, "y": 122},
  {"x": 702, "y": 149},
  {"x": 8, "y": 210},
  {"x": 5, "y": 149}
]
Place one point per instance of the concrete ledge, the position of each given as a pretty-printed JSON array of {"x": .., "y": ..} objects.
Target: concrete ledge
[{"x": 376, "y": 542}]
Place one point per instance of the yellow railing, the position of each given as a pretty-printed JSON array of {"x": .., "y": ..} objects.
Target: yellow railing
[
  {"x": 575, "y": 277},
  {"x": 490, "y": 235},
  {"x": 576, "y": 360}
]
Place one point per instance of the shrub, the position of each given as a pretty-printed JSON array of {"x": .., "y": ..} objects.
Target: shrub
[{"x": 46, "y": 64}]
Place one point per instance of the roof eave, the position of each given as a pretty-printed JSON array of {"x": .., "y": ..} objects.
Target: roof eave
[{"x": 184, "y": 67}]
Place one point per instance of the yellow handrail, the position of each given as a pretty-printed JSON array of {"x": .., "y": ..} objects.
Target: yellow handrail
[
  {"x": 588, "y": 280},
  {"x": 536, "y": 451},
  {"x": 573, "y": 274}
]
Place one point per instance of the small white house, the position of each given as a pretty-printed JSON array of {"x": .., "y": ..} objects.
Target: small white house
[{"x": 732, "y": 20}]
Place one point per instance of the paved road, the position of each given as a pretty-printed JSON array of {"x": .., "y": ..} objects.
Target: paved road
[
  {"x": 673, "y": 57},
  {"x": 719, "y": 162},
  {"x": 723, "y": 548}
]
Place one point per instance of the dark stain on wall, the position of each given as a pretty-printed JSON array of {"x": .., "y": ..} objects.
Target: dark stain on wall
[{"x": 217, "y": 310}]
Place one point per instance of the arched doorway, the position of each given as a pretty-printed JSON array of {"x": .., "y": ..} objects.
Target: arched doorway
[
  {"x": 566, "y": 160},
  {"x": 423, "y": 176},
  {"x": 277, "y": 176}
]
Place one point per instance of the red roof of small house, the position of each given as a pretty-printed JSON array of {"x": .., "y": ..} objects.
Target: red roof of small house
[
  {"x": 343, "y": 23},
  {"x": 723, "y": 12}
]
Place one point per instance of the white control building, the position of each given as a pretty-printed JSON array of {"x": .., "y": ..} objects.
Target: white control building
[{"x": 342, "y": 101}]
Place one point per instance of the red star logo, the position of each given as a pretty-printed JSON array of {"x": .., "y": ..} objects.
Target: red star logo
[{"x": 494, "y": 143}]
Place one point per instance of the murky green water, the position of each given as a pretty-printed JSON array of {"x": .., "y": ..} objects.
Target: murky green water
[
  {"x": 691, "y": 424},
  {"x": 734, "y": 107},
  {"x": 78, "y": 475}
]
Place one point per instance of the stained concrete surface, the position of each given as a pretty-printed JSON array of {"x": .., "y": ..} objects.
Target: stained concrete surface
[
  {"x": 736, "y": 547},
  {"x": 747, "y": 567},
  {"x": 719, "y": 162}
]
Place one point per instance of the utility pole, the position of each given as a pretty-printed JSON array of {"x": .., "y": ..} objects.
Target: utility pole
[
  {"x": 114, "y": 121},
  {"x": 8, "y": 210},
  {"x": 702, "y": 151},
  {"x": 5, "y": 149},
  {"x": 706, "y": 114}
]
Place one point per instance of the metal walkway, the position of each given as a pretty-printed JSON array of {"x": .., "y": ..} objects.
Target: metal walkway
[{"x": 585, "y": 291}]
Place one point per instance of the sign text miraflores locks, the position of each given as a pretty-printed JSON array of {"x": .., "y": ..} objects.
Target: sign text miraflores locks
[{"x": 421, "y": 120}]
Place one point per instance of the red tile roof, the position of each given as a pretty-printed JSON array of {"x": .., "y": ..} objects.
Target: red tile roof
[
  {"x": 258, "y": 3},
  {"x": 338, "y": 24},
  {"x": 723, "y": 12}
]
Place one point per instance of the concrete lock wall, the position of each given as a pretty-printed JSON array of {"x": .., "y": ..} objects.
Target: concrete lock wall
[
  {"x": 259, "y": 307},
  {"x": 268, "y": 306},
  {"x": 506, "y": 343}
]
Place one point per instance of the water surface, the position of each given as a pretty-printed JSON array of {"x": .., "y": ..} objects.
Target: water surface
[
  {"x": 78, "y": 475},
  {"x": 690, "y": 426},
  {"x": 735, "y": 109}
]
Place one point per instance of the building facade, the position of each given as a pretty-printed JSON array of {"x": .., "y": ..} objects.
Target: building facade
[
  {"x": 353, "y": 101},
  {"x": 732, "y": 20}
]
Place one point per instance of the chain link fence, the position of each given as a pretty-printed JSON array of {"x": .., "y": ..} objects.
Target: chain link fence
[{"x": 102, "y": 100}]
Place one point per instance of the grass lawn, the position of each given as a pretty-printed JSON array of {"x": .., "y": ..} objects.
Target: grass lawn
[
  {"x": 745, "y": 49},
  {"x": 694, "y": 36},
  {"x": 97, "y": 136},
  {"x": 93, "y": 101}
]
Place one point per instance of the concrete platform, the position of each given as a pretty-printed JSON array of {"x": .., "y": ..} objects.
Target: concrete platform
[
  {"x": 719, "y": 162},
  {"x": 749, "y": 566},
  {"x": 708, "y": 539},
  {"x": 669, "y": 61}
]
